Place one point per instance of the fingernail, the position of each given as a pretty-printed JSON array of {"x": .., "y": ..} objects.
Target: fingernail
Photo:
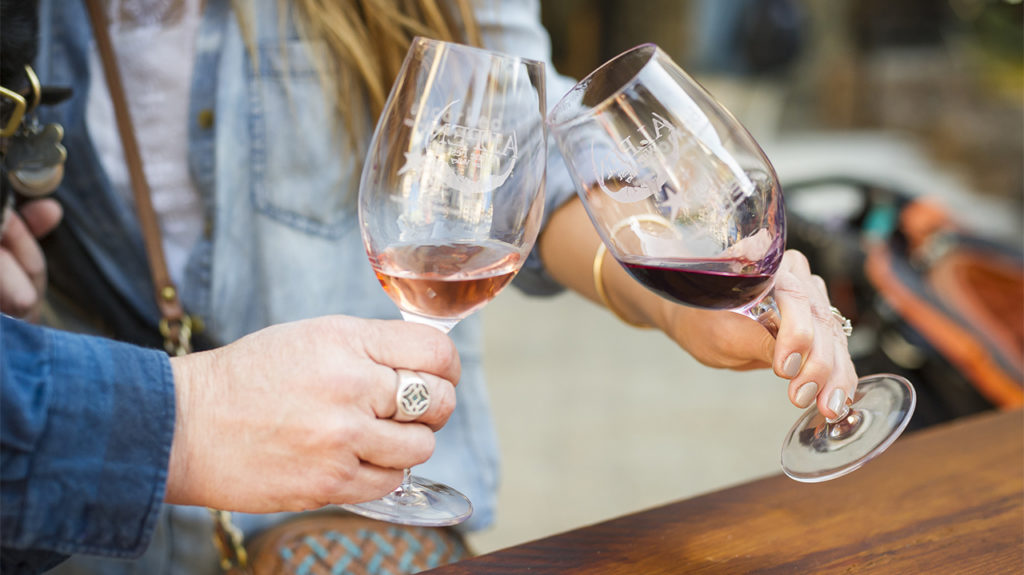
[
  {"x": 791, "y": 366},
  {"x": 806, "y": 394},
  {"x": 836, "y": 400}
]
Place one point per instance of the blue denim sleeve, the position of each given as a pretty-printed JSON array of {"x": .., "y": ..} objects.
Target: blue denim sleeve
[{"x": 86, "y": 435}]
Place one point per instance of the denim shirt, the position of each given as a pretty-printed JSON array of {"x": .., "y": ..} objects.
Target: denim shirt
[
  {"x": 282, "y": 239},
  {"x": 86, "y": 425}
]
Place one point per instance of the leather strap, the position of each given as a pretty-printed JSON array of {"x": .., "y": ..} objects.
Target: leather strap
[{"x": 175, "y": 325}]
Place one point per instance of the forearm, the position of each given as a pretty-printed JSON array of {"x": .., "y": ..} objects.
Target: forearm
[
  {"x": 719, "y": 339},
  {"x": 568, "y": 246}
]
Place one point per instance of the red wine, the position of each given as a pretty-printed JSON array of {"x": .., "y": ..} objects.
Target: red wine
[
  {"x": 710, "y": 284},
  {"x": 446, "y": 281}
]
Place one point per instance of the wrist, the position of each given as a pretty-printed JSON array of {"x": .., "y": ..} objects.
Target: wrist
[
  {"x": 600, "y": 287},
  {"x": 643, "y": 305},
  {"x": 190, "y": 372}
]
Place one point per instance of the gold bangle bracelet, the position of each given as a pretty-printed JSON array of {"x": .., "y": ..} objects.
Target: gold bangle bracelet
[{"x": 602, "y": 294}]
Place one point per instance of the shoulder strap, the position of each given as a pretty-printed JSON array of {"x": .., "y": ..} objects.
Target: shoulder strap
[{"x": 175, "y": 325}]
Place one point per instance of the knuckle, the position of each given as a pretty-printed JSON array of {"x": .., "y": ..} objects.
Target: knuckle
[
  {"x": 818, "y": 369},
  {"x": 446, "y": 356},
  {"x": 323, "y": 485},
  {"x": 346, "y": 471},
  {"x": 421, "y": 445},
  {"x": 317, "y": 490},
  {"x": 335, "y": 330},
  {"x": 789, "y": 284},
  {"x": 346, "y": 436},
  {"x": 822, "y": 314},
  {"x": 820, "y": 284},
  {"x": 20, "y": 303},
  {"x": 802, "y": 336},
  {"x": 797, "y": 259},
  {"x": 445, "y": 400},
  {"x": 34, "y": 267}
]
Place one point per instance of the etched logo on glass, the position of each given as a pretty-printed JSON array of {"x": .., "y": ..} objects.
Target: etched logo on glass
[
  {"x": 680, "y": 165},
  {"x": 471, "y": 157}
]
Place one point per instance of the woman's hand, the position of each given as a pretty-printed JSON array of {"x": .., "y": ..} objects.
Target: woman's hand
[
  {"x": 810, "y": 349},
  {"x": 298, "y": 416},
  {"x": 22, "y": 263}
]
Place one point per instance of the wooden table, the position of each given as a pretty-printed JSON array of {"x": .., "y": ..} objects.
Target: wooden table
[{"x": 947, "y": 499}]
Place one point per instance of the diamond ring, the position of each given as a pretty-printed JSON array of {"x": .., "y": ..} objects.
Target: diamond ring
[{"x": 844, "y": 323}]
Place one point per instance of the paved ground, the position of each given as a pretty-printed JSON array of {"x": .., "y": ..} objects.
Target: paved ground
[{"x": 597, "y": 419}]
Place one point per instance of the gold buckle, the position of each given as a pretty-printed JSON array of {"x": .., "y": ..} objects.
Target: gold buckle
[
  {"x": 17, "y": 115},
  {"x": 182, "y": 344},
  {"x": 228, "y": 539},
  {"x": 20, "y": 105}
]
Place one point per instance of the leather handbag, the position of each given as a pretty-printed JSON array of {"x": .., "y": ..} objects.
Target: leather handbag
[
  {"x": 326, "y": 543},
  {"x": 933, "y": 301}
]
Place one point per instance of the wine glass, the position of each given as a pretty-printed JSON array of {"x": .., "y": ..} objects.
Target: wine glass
[
  {"x": 450, "y": 204},
  {"x": 686, "y": 201}
]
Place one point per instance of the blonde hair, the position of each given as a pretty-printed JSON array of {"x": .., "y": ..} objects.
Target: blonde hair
[{"x": 365, "y": 42}]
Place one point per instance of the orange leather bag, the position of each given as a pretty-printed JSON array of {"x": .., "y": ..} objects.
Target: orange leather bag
[{"x": 931, "y": 300}]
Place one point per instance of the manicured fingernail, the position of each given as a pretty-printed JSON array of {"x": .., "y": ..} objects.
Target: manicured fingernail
[
  {"x": 836, "y": 400},
  {"x": 791, "y": 366},
  {"x": 806, "y": 394}
]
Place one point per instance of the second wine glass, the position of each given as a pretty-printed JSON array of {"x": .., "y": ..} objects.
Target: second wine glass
[
  {"x": 450, "y": 205},
  {"x": 687, "y": 202}
]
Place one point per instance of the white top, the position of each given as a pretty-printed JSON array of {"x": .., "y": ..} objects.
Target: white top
[{"x": 153, "y": 41}]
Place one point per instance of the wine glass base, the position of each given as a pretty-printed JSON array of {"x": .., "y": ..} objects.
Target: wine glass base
[
  {"x": 816, "y": 450},
  {"x": 421, "y": 502}
]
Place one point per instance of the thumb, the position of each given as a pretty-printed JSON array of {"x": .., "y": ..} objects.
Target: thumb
[{"x": 725, "y": 339}]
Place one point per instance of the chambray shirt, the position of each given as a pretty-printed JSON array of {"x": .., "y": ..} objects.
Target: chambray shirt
[
  {"x": 282, "y": 240},
  {"x": 86, "y": 435}
]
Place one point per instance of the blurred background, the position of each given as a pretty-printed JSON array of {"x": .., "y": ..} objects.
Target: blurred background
[{"x": 917, "y": 98}]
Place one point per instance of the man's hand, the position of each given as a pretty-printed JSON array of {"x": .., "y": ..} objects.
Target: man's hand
[
  {"x": 22, "y": 264},
  {"x": 298, "y": 416}
]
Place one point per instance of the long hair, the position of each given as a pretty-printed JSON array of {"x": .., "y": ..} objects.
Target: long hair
[{"x": 365, "y": 42}]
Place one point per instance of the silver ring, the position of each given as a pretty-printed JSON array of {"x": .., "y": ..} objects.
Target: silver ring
[
  {"x": 844, "y": 323},
  {"x": 412, "y": 395}
]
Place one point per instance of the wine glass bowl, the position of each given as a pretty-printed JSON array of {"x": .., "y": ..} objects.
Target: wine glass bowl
[
  {"x": 679, "y": 191},
  {"x": 689, "y": 205},
  {"x": 450, "y": 202},
  {"x": 448, "y": 198}
]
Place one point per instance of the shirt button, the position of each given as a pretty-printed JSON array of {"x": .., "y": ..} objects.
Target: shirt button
[{"x": 205, "y": 118}]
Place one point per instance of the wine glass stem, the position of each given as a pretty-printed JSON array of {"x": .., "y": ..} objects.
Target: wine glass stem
[
  {"x": 408, "y": 494},
  {"x": 766, "y": 312},
  {"x": 845, "y": 425},
  {"x": 840, "y": 416}
]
